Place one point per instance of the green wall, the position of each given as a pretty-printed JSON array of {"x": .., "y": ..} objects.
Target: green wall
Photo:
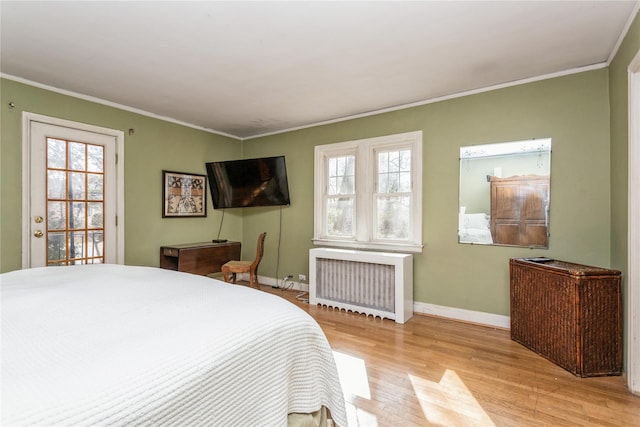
[
  {"x": 572, "y": 110},
  {"x": 155, "y": 145}
]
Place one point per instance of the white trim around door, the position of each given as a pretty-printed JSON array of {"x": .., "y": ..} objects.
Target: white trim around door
[{"x": 633, "y": 238}]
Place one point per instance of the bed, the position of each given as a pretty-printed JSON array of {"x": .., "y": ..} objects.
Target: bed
[
  {"x": 474, "y": 228},
  {"x": 123, "y": 345}
]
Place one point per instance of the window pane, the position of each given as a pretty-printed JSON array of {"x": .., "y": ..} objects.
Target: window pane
[
  {"x": 383, "y": 162},
  {"x": 383, "y": 183},
  {"x": 344, "y": 165},
  {"x": 94, "y": 182},
  {"x": 56, "y": 216},
  {"x": 77, "y": 156},
  {"x": 393, "y": 216},
  {"x": 56, "y": 153},
  {"x": 341, "y": 185},
  {"x": 350, "y": 166},
  {"x": 76, "y": 186},
  {"x": 55, "y": 246},
  {"x": 95, "y": 215},
  {"x": 394, "y": 171},
  {"x": 404, "y": 183},
  {"x": 340, "y": 217},
  {"x": 95, "y": 158},
  {"x": 348, "y": 185},
  {"x": 394, "y": 161},
  {"x": 332, "y": 187},
  {"x": 94, "y": 245},
  {"x": 393, "y": 183},
  {"x": 341, "y": 175},
  {"x": 76, "y": 245},
  {"x": 405, "y": 160},
  {"x": 56, "y": 182},
  {"x": 76, "y": 215},
  {"x": 340, "y": 166}
]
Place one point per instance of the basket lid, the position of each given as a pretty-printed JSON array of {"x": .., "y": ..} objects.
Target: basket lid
[{"x": 568, "y": 267}]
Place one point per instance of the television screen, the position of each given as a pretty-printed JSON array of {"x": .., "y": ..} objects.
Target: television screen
[{"x": 248, "y": 182}]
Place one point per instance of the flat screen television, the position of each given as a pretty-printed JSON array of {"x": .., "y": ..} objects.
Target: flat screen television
[{"x": 248, "y": 182}]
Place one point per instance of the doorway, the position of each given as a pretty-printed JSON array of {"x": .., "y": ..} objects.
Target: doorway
[{"x": 73, "y": 193}]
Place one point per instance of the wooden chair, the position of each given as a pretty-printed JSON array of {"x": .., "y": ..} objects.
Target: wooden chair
[{"x": 251, "y": 267}]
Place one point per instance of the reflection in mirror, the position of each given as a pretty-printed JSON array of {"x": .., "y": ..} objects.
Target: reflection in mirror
[{"x": 504, "y": 193}]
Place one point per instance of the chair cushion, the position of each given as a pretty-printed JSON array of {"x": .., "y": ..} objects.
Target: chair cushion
[
  {"x": 238, "y": 266},
  {"x": 238, "y": 263}
]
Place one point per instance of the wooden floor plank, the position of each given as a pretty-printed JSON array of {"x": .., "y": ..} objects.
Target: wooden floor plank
[{"x": 434, "y": 371}]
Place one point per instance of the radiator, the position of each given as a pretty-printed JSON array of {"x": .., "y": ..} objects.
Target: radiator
[{"x": 373, "y": 283}]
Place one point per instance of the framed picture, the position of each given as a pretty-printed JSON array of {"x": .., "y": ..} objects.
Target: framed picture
[{"x": 183, "y": 195}]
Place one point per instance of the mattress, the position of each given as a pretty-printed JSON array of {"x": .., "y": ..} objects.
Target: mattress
[{"x": 123, "y": 345}]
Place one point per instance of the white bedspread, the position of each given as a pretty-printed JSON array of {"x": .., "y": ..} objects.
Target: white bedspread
[
  {"x": 474, "y": 228},
  {"x": 116, "y": 345}
]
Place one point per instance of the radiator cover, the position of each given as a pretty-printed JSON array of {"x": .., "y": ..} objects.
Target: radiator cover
[{"x": 373, "y": 283}]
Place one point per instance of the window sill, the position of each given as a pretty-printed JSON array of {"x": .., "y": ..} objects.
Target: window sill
[{"x": 388, "y": 247}]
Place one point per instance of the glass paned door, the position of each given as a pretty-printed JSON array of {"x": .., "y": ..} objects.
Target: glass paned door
[
  {"x": 75, "y": 202},
  {"x": 72, "y": 199}
]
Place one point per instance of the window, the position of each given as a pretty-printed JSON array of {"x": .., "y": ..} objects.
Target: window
[
  {"x": 341, "y": 195},
  {"x": 368, "y": 193},
  {"x": 75, "y": 202}
]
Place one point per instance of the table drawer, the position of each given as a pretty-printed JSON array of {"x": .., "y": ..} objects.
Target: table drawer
[{"x": 170, "y": 252}]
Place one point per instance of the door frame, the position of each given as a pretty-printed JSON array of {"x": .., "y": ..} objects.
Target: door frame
[
  {"x": 29, "y": 118},
  {"x": 633, "y": 237}
]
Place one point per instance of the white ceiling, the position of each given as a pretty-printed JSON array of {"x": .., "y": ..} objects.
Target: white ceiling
[{"x": 254, "y": 68}]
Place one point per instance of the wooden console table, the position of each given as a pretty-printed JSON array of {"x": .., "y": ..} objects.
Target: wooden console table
[{"x": 198, "y": 258}]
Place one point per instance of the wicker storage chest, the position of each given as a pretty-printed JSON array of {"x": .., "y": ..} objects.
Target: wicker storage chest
[{"x": 569, "y": 313}]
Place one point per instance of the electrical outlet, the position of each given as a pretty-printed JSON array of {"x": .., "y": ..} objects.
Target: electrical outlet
[{"x": 302, "y": 277}]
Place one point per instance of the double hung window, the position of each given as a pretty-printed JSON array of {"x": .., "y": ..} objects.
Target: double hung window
[{"x": 368, "y": 193}]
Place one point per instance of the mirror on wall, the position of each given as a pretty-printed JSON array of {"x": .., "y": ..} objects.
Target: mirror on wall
[{"x": 504, "y": 193}]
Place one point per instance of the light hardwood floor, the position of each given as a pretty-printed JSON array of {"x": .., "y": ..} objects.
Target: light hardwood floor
[{"x": 434, "y": 371}]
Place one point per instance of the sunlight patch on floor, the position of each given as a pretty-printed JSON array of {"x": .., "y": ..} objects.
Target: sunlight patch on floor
[
  {"x": 355, "y": 385},
  {"x": 449, "y": 402},
  {"x": 358, "y": 417},
  {"x": 353, "y": 375}
]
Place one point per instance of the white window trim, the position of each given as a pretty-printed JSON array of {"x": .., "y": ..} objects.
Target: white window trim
[{"x": 365, "y": 167}]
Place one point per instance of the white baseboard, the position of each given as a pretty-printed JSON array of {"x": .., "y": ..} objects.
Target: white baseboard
[{"x": 478, "y": 317}]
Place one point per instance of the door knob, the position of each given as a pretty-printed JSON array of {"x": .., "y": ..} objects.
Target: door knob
[
  {"x": 38, "y": 234},
  {"x": 38, "y": 219}
]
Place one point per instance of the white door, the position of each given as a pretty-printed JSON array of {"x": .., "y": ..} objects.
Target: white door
[{"x": 71, "y": 195}]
